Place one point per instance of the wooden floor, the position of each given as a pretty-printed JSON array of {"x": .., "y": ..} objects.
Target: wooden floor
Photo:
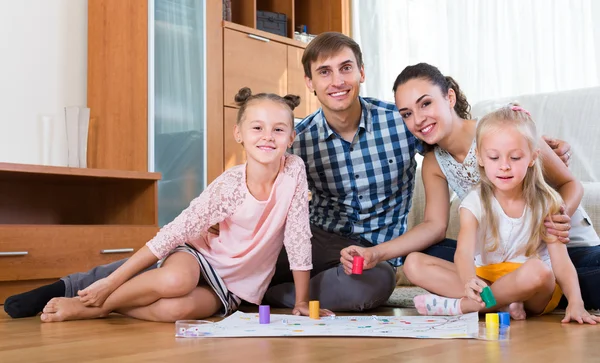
[{"x": 120, "y": 339}]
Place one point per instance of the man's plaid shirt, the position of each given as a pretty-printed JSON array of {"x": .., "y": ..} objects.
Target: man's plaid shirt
[{"x": 361, "y": 189}]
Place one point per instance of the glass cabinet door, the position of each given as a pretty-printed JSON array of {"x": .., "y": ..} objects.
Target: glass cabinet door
[{"x": 177, "y": 113}]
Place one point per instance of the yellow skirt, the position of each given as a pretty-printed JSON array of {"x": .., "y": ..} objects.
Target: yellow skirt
[{"x": 493, "y": 272}]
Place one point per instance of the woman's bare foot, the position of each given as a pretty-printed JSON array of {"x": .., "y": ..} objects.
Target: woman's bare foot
[
  {"x": 63, "y": 309},
  {"x": 517, "y": 311}
]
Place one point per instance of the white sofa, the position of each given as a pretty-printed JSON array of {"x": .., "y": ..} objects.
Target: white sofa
[{"x": 573, "y": 116}]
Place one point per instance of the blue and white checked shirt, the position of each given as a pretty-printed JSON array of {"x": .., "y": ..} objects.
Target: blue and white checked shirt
[{"x": 361, "y": 189}]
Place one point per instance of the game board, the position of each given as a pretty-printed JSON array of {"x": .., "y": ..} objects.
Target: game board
[{"x": 247, "y": 325}]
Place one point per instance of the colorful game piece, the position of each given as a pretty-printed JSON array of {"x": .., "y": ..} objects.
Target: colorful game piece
[
  {"x": 488, "y": 297},
  {"x": 491, "y": 326},
  {"x": 357, "y": 265},
  {"x": 504, "y": 319},
  {"x": 491, "y": 319},
  {"x": 264, "y": 314},
  {"x": 313, "y": 309}
]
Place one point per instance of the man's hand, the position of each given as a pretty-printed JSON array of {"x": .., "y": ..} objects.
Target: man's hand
[
  {"x": 369, "y": 254},
  {"x": 561, "y": 148}
]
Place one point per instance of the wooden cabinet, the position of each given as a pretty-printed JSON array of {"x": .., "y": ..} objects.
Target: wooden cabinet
[
  {"x": 234, "y": 152},
  {"x": 318, "y": 15},
  {"x": 296, "y": 84},
  {"x": 264, "y": 65},
  {"x": 117, "y": 84},
  {"x": 56, "y": 220},
  {"x": 238, "y": 54},
  {"x": 252, "y": 61},
  {"x": 38, "y": 252}
]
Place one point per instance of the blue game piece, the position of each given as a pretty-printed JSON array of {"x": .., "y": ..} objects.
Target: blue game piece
[{"x": 504, "y": 318}]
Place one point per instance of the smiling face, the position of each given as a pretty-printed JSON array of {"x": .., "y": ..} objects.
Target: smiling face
[
  {"x": 506, "y": 156},
  {"x": 266, "y": 130},
  {"x": 425, "y": 110},
  {"x": 336, "y": 80}
]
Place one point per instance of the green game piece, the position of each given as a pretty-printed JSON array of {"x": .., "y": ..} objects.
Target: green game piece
[{"x": 488, "y": 297}]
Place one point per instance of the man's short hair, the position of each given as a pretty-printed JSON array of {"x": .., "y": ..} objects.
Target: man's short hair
[{"x": 327, "y": 44}]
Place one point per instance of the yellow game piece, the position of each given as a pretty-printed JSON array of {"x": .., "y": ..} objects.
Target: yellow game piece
[
  {"x": 313, "y": 309},
  {"x": 492, "y": 319}
]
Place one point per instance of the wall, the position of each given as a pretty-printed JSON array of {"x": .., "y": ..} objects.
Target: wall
[{"x": 43, "y": 68}]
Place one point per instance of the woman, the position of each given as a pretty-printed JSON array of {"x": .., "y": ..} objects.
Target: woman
[{"x": 435, "y": 111}]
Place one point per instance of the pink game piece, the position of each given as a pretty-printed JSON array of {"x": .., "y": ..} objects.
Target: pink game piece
[{"x": 357, "y": 265}]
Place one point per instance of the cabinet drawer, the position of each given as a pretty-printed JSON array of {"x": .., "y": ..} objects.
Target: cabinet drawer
[
  {"x": 43, "y": 252},
  {"x": 255, "y": 62}
]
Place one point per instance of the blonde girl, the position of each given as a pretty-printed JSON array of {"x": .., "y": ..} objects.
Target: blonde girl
[{"x": 503, "y": 241}]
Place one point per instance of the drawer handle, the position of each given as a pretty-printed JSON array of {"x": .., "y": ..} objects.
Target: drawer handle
[
  {"x": 258, "y": 38},
  {"x": 16, "y": 253},
  {"x": 117, "y": 250}
]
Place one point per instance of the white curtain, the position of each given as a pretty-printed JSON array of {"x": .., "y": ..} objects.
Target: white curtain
[{"x": 493, "y": 48}]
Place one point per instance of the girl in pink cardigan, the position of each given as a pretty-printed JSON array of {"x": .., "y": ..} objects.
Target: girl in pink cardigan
[{"x": 259, "y": 206}]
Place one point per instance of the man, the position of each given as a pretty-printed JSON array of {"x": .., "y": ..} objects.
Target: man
[
  {"x": 360, "y": 167},
  {"x": 361, "y": 172}
]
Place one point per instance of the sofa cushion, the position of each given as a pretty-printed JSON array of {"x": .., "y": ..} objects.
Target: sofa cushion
[
  {"x": 569, "y": 115},
  {"x": 591, "y": 202}
]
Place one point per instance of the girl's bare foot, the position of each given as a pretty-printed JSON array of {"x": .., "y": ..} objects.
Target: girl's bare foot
[
  {"x": 63, "y": 309},
  {"x": 517, "y": 311}
]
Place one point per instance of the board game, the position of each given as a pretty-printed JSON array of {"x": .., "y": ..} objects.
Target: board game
[{"x": 242, "y": 324}]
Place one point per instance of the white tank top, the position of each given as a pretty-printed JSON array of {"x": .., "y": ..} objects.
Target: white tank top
[{"x": 461, "y": 177}]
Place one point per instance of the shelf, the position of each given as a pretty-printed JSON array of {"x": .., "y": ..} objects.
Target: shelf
[
  {"x": 264, "y": 34},
  {"x": 10, "y": 171},
  {"x": 36, "y": 194},
  {"x": 318, "y": 15},
  {"x": 68, "y": 227}
]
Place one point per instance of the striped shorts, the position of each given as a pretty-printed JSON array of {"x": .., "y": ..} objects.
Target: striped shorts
[{"x": 231, "y": 302}]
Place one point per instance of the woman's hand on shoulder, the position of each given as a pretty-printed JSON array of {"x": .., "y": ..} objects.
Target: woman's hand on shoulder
[{"x": 561, "y": 148}]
